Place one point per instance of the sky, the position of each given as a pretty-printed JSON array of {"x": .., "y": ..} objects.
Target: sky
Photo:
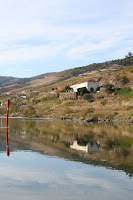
[{"x": 40, "y": 36}]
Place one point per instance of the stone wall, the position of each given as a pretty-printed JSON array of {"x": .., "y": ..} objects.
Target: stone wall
[{"x": 68, "y": 95}]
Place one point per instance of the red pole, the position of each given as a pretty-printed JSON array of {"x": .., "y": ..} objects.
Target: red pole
[
  {"x": 7, "y": 146},
  {"x": 7, "y": 114}
]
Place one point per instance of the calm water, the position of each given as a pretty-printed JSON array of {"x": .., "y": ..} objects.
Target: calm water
[{"x": 42, "y": 165}]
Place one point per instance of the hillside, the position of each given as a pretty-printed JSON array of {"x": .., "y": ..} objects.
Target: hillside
[
  {"x": 63, "y": 75},
  {"x": 5, "y": 80},
  {"x": 114, "y": 101}
]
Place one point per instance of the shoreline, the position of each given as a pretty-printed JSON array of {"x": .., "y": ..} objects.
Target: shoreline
[{"x": 93, "y": 119}]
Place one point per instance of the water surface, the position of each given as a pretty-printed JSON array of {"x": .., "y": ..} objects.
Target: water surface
[{"x": 42, "y": 165}]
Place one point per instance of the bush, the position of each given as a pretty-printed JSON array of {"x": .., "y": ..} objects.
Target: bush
[
  {"x": 128, "y": 96},
  {"x": 124, "y": 80},
  {"x": 122, "y": 91},
  {"x": 87, "y": 96},
  {"x": 104, "y": 102},
  {"x": 108, "y": 88},
  {"x": 124, "y": 142},
  {"x": 67, "y": 88},
  {"x": 83, "y": 91}
]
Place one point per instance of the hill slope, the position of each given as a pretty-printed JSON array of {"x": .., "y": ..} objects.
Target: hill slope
[
  {"x": 63, "y": 75},
  {"x": 43, "y": 95}
]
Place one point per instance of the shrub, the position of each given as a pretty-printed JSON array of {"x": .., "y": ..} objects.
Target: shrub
[
  {"x": 83, "y": 91},
  {"x": 87, "y": 96},
  {"x": 124, "y": 142},
  {"x": 122, "y": 91},
  {"x": 108, "y": 88},
  {"x": 128, "y": 96},
  {"x": 124, "y": 80},
  {"x": 104, "y": 102},
  {"x": 67, "y": 88}
]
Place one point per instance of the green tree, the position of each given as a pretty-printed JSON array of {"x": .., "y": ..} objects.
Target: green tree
[
  {"x": 67, "y": 88},
  {"x": 82, "y": 91},
  {"x": 130, "y": 54}
]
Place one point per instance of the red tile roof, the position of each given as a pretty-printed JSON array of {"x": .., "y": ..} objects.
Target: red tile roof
[{"x": 85, "y": 81}]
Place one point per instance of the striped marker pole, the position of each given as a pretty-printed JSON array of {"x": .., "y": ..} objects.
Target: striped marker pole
[{"x": 7, "y": 114}]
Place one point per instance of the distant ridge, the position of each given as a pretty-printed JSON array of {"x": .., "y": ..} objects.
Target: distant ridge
[
  {"x": 9, "y": 80},
  {"x": 63, "y": 75}
]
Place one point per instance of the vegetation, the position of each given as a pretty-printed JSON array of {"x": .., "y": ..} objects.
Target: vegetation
[
  {"x": 104, "y": 102},
  {"x": 30, "y": 112},
  {"x": 87, "y": 96},
  {"x": 124, "y": 80},
  {"x": 67, "y": 88},
  {"x": 2, "y": 111},
  {"x": 124, "y": 142},
  {"x": 108, "y": 88},
  {"x": 108, "y": 104},
  {"x": 122, "y": 91},
  {"x": 128, "y": 60},
  {"x": 82, "y": 91}
]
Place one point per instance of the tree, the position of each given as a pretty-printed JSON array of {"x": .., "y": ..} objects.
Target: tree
[
  {"x": 82, "y": 91},
  {"x": 130, "y": 54},
  {"x": 67, "y": 88}
]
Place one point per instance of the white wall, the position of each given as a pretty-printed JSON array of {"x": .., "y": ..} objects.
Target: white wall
[
  {"x": 88, "y": 85},
  {"x": 93, "y": 85}
]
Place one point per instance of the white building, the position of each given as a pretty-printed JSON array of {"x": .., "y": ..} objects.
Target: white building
[
  {"x": 23, "y": 97},
  {"x": 91, "y": 86}
]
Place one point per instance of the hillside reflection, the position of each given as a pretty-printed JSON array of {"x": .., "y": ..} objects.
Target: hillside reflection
[{"x": 109, "y": 145}]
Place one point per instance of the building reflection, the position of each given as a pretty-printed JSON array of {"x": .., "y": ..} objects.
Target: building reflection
[{"x": 90, "y": 147}]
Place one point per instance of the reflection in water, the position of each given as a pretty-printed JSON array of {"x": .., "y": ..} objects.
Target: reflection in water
[
  {"x": 31, "y": 176},
  {"x": 7, "y": 143},
  {"x": 90, "y": 147},
  {"x": 55, "y": 137},
  {"x": 42, "y": 164}
]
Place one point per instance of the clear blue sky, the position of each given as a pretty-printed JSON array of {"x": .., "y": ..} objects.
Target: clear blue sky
[{"x": 39, "y": 36}]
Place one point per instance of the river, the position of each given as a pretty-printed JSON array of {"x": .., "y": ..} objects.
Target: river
[{"x": 42, "y": 165}]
